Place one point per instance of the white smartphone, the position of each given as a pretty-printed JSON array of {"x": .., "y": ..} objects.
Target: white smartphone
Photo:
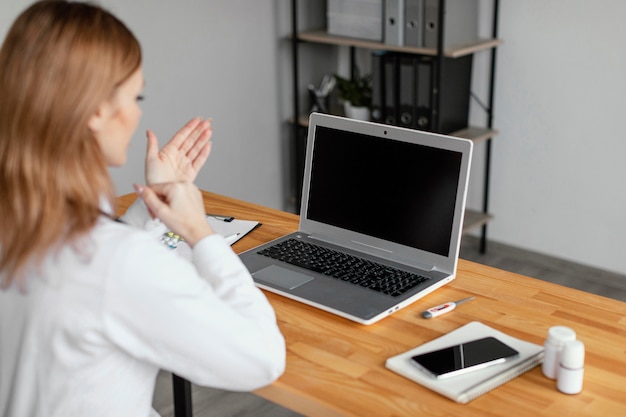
[{"x": 465, "y": 357}]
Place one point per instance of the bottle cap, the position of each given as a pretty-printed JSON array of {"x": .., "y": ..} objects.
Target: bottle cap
[
  {"x": 573, "y": 355},
  {"x": 561, "y": 334}
]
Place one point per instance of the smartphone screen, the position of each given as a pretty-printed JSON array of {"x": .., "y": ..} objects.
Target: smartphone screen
[{"x": 465, "y": 357}]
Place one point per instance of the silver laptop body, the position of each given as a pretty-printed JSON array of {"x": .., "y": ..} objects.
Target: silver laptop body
[{"x": 387, "y": 194}]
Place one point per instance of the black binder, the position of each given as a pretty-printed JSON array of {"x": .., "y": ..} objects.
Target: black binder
[
  {"x": 404, "y": 91},
  {"x": 378, "y": 81}
]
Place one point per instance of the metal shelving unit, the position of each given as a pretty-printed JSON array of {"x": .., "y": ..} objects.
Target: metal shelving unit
[{"x": 483, "y": 134}]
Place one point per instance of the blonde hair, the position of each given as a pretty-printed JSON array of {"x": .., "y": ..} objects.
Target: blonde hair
[{"x": 60, "y": 60}]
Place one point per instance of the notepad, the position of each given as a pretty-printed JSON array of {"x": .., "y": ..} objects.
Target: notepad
[{"x": 465, "y": 388}]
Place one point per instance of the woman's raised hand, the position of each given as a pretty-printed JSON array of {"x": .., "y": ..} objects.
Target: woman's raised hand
[{"x": 182, "y": 157}]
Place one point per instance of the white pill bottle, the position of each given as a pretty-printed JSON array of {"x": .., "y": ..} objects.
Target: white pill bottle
[
  {"x": 558, "y": 336},
  {"x": 571, "y": 368}
]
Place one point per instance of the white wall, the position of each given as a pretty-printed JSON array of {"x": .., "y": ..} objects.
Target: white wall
[
  {"x": 214, "y": 59},
  {"x": 558, "y": 168},
  {"x": 559, "y": 165}
]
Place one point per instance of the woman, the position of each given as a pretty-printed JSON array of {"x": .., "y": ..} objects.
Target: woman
[{"x": 91, "y": 308}]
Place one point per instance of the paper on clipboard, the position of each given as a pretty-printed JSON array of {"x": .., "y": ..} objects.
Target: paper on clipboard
[{"x": 231, "y": 230}]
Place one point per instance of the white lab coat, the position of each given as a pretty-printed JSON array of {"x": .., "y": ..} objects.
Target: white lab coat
[{"x": 94, "y": 326}]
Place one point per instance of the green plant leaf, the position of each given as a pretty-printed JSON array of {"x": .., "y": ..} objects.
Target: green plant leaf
[{"x": 357, "y": 90}]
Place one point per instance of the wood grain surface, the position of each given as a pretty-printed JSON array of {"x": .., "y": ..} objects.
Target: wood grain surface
[{"x": 336, "y": 367}]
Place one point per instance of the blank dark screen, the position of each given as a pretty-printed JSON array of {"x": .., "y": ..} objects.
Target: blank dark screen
[
  {"x": 464, "y": 355},
  {"x": 393, "y": 190}
]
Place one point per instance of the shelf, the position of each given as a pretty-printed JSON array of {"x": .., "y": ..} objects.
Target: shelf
[
  {"x": 321, "y": 36},
  {"x": 474, "y": 219},
  {"x": 475, "y": 134},
  {"x": 303, "y": 121}
]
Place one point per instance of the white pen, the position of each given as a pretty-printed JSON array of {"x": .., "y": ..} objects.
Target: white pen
[{"x": 230, "y": 239}]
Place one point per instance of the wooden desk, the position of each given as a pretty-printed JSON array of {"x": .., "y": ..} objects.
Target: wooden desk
[{"x": 337, "y": 368}]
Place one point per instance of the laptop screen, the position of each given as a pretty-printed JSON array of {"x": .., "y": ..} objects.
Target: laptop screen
[{"x": 393, "y": 190}]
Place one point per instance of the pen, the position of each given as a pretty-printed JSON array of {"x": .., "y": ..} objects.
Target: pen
[
  {"x": 223, "y": 218},
  {"x": 443, "y": 308},
  {"x": 230, "y": 239}
]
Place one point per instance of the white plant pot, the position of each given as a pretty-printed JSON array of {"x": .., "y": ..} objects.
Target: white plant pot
[{"x": 356, "y": 112}]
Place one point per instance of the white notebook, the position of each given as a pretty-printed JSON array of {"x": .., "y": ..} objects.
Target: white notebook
[{"x": 464, "y": 388}]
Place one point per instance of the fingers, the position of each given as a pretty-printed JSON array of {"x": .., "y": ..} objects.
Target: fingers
[
  {"x": 203, "y": 155},
  {"x": 202, "y": 146},
  {"x": 182, "y": 157},
  {"x": 197, "y": 138},
  {"x": 152, "y": 169},
  {"x": 153, "y": 145},
  {"x": 153, "y": 202},
  {"x": 191, "y": 138},
  {"x": 179, "y": 205},
  {"x": 183, "y": 134},
  {"x": 161, "y": 199}
]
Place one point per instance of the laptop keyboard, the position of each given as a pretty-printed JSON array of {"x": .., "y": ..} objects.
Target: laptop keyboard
[{"x": 349, "y": 268}]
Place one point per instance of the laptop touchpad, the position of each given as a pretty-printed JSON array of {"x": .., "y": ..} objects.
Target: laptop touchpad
[{"x": 282, "y": 277}]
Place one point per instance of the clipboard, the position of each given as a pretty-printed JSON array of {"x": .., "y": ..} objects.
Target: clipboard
[{"x": 230, "y": 228}]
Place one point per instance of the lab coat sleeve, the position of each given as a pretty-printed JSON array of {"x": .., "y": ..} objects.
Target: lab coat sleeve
[{"x": 205, "y": 321}]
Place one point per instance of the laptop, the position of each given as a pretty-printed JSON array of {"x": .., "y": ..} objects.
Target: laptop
[{"x": 389, "y": 200}]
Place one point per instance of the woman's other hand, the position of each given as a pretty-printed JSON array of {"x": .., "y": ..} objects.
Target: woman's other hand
[
  {"x": 182, "y": 157},
  {"x": 180, "y": 206}
]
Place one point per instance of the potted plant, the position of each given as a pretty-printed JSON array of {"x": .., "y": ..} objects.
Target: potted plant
[{"x": 356, "y": 94}]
